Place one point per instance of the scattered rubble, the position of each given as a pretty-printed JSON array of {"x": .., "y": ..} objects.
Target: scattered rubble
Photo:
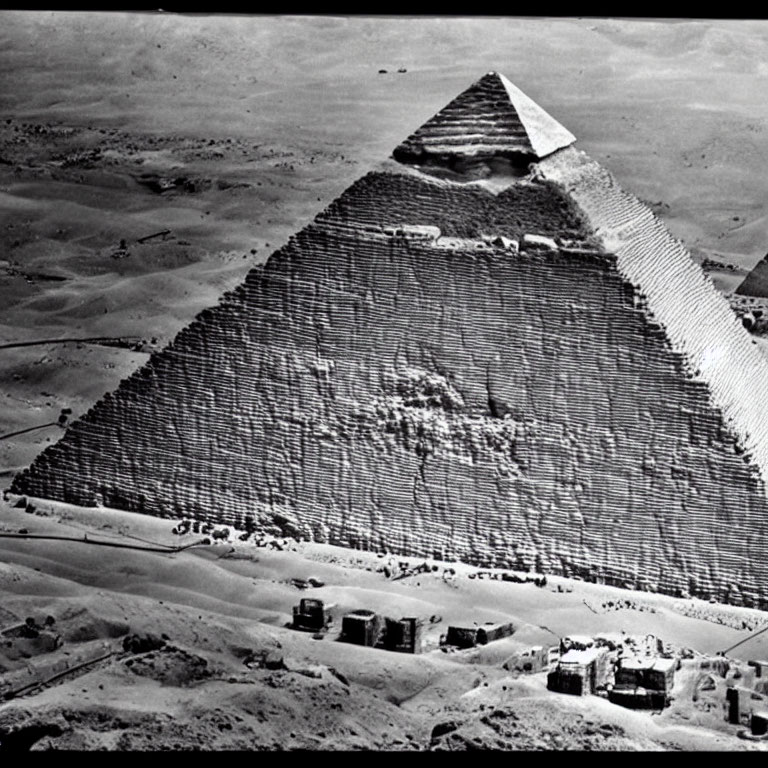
[{"x": 143, "y": 643}]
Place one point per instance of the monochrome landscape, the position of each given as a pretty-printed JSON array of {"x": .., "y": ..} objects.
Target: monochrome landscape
[{"x": 382, "y": 383}]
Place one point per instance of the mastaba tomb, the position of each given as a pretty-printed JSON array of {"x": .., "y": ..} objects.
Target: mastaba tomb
[{"x": 486, "y": 351}]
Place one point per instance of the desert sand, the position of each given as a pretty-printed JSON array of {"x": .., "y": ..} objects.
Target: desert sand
[
  {"x": 216, "y": 604},
  {"x": 228, "y": 135}
]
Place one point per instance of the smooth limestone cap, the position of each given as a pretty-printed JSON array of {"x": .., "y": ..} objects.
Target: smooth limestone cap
[{"x": 492, "y": 116}]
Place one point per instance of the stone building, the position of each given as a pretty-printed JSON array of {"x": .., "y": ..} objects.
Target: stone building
[
  {"x": 741, "y": 703},
  {"x": 405, "y": 635},
  {"x": 643, "y": 682},
  {"x": 362, "y": 627},
  {"x": 312, "y": 615},
  {"x": 468, "y": 636},
  {"x": 581, "y": 672}
]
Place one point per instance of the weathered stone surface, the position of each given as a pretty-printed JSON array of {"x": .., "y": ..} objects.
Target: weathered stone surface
[{"x": 592, "y": 409}]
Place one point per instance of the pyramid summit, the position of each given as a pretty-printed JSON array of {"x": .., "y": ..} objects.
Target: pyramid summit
[
  {"x": 532, "y": 374},
  {"x": 491, "y": 118}
]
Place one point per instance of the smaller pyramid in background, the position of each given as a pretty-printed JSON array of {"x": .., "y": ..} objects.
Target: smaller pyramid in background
[
  {"x": 491, "y": 118},
  {"x": 756, "y": 282}
]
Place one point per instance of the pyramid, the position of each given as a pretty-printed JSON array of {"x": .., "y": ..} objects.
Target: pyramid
[
  {"x": 530, "y": 374},
  {"x": 756, "y": 282},
  {"x": 492, "y": 117}
]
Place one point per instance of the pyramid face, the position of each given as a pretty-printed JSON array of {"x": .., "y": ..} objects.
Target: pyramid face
[
  {"x": 491, "y": 118},
  {"x": 756, "y": 282},
  {"x": 537, "y": 378}
]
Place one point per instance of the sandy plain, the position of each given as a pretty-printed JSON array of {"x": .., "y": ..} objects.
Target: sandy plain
[{"x": 232, "y": 133}]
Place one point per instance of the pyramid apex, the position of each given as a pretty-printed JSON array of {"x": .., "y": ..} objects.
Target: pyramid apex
[{"x": 492, "y": 118}]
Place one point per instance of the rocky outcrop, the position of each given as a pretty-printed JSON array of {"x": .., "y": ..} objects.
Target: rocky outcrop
[{"x": 583, "y": 403}]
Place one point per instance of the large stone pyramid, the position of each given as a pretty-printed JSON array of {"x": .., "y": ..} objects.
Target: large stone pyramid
[{"x": 523, "y": 371}]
